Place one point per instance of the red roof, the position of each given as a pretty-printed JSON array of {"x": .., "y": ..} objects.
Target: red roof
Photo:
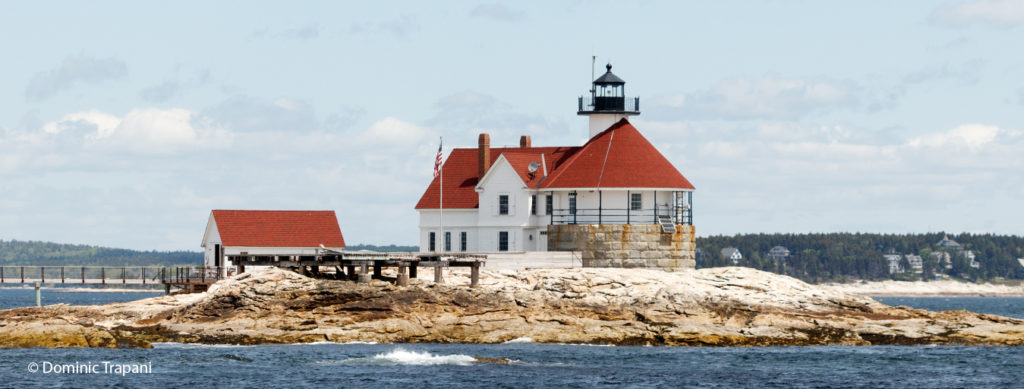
[
  {"x": 460, "y": 173},
  {"x": 278, "y": 228},
  {"x": 619, "y": 157}
]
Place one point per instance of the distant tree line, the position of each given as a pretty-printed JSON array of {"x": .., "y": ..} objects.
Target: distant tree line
[
  {"x": 849, "y": 256},
  {"x": 32, "y": 253}
]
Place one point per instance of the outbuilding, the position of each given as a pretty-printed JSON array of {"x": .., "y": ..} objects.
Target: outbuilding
[{"x": 251, "y": 232}]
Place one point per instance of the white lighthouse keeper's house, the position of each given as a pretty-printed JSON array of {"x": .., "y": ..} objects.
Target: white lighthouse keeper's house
[
  {"x": 284, "y": 233},
  {"x": 557, "y": 198}
]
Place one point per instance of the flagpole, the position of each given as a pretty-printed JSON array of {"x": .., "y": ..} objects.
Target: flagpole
[{"x": 441, "y": 146}]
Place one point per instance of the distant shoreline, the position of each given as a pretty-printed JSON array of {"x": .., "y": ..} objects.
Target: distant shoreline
[{"x": 943, "y": 288}]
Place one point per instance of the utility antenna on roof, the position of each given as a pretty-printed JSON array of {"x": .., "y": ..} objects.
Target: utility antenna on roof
[
  {"x": 533, "y": 167},
  {"x": 593, "y": 61}
]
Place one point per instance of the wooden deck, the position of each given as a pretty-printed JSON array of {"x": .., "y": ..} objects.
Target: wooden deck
[{"x": 357, "y": 266}]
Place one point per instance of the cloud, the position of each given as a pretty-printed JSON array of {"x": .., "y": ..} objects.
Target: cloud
[
  {"x": 174, "y": 85},
  {"x": 74, "y": 70},
  {"x": 769, "y": 96},
  {"x": 142, "y": 130},
  {"x": 497, "y": 12},
  {"x": 344, "y": 118},
  {"x": 246, "y": 113},
  {"x": 466, "y": 113},
  {"x": 160, "y": 93},
  {"x": 999, "y": 13},
  {"x": 102, "y": 124},
  {"x": 969, "y": 137},
  {"x": 392, "y": 131}
]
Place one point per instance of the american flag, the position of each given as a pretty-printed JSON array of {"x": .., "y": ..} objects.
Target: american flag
[{"x": 437, "y": 161}]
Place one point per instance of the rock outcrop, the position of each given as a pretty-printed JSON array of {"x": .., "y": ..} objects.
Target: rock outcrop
[{"x": 707, "y": 307}]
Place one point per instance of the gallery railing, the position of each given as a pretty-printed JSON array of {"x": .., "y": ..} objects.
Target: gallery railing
[{"x": 684, "y": 216}]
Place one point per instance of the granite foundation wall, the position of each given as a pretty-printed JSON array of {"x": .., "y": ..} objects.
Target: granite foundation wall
[{"x": 626, "y": 245}]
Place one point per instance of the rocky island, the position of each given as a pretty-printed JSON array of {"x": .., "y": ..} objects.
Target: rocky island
[{"x": 728, "y": 306}]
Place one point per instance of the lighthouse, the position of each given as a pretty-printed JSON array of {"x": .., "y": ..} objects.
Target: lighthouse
[{"x": 607, "y": 103}]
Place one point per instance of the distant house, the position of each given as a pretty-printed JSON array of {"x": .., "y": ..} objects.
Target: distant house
[
  {"x": 778, "y": 253},
  {"x": 732, "y": 254},
  {"x": 943, "y": 258},
  {"x": 894, "y": 263},
  {"x": 952, "y": 245},
  {"x": 284, "y": 233},
  {"x": 971, "y": 258},
  {"x": 916, "y": 263},
  {"x": 947, "y": 243}
]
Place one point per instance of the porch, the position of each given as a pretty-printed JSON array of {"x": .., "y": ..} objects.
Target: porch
[{"x": 677, "y": 210}]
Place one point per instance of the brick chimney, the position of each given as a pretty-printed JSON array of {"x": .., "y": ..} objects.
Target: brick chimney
[
  {"x": 484, "y": 154},
  {"x": 524, "y": 141}
]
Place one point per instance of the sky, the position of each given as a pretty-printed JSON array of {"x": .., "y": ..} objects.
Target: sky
[{"x": 124, "y": 123}]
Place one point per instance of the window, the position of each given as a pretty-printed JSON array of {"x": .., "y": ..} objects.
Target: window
[
  {"x": 430, "y": 239},
  {"x": 462, "y": 241},
  {"x": 572, "y": 203},
  {"x": 502, "y": 240},
  {"x": 447, "y": 241},
  {"x": 549, "y": 202},
  {"x": 503, "y": 204},
  {"x": 635, "y": 201},
  {"x": 533, "y": 205}
]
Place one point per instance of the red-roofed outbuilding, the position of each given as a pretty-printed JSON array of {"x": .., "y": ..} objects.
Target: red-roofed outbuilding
[{"x": 261, "y": 232}]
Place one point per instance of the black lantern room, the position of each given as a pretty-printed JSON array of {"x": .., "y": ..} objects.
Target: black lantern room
[{"x": 608, "y": 95}]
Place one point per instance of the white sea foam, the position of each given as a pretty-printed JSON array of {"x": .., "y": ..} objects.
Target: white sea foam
[
  {"x": 519, "y": 340},
  {"x": 402, "y": 357}
]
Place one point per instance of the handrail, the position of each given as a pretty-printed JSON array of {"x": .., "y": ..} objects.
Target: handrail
[{"x": 90, "y": 274}]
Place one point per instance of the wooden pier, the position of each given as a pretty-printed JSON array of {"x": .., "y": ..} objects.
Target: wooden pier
[
  {"x": 363, "y": 267},
  {"x": 359, "y": 267}
]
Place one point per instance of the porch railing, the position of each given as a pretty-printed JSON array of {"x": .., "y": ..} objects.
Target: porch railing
[{"x": 621, "y": 215}]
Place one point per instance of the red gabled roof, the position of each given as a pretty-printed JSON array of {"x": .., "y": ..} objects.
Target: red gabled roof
[
  {"x": 278, "y": 228},
  {"x": 619, "y": 157},
  {"x": 460, "y": 173}
]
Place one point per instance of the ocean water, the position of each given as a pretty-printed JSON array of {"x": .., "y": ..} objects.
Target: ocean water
[
  {"x": 26, "y": 297},
  {"x": 1002, "y": 306},
  {"x": 530, "y": 365}
]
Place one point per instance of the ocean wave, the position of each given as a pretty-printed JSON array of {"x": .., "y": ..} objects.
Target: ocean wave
[{"x": 403, "y": 357}]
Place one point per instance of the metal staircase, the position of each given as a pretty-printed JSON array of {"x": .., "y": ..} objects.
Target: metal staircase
[{"x": 667, "y": 225}]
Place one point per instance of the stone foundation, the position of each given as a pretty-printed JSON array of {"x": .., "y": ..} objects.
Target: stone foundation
[{"x": 626, "y": 245}]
